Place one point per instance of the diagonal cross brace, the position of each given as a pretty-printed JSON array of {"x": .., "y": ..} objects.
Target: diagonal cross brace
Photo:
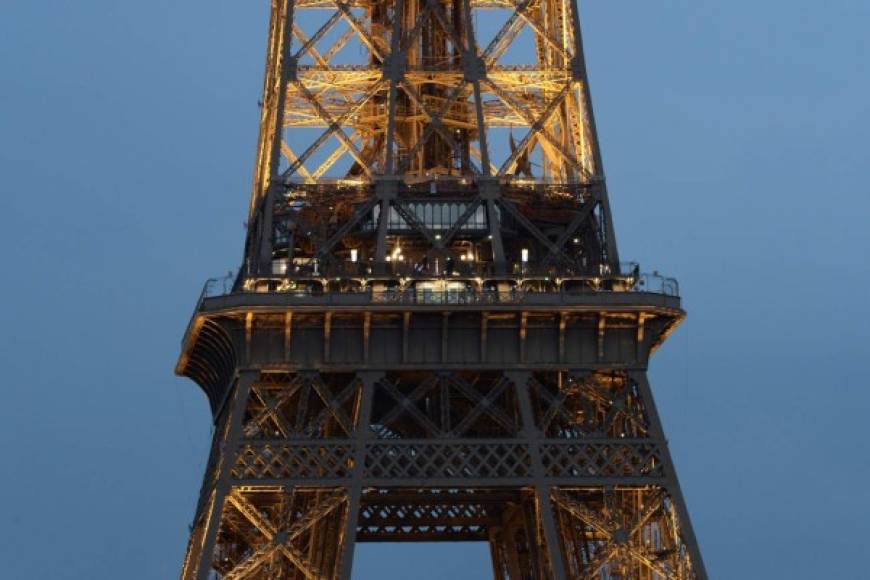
[
  {"x": 282, "y": 544},
  {"x": 435, "y": 120},
  {"x": 536, "y": 26},
  {"x": 334, "y": 126},
  {"x": 537, "y": 127},
  {"x": 407, "y": 403},
  {"x": 463, "y": 219},
  {"x": 482, "y": 405},
  {"x": 415, "y": 223},
  {"x": 503, "y": 38},
  {"x": 321, "y": 32},
  {"x": 527, "y": 224},
  {"x": 364, "y": 36},
  {"x": 271, "y": 410},
  {"x": 555, "y": 404},
  {"x": 578, "y": 220},
  {"x": 346, "y": 227},
  {"x": 333, "y": 404}
]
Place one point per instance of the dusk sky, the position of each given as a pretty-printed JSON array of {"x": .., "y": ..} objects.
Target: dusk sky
[{"x": 735, "y": 141}]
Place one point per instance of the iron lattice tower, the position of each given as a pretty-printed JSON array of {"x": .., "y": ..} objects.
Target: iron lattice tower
[{"x": 431, "y": 336}]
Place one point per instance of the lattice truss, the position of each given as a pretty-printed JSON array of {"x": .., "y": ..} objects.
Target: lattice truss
[
  {"x": 460, "y": 425},
  {"x": 303, "y": 405},
  {"x": 445, "y": 405},
  {"x": 280, "y": 533},
  {"x": 363, "y": 88},
  {"x": 427, "y": 96},
  {"x": 621, "y": 533},
  {"x": 399, "y": 515},
  {"x": 412, "y": 148},
  {"x": 604, "y": 533},
  {"x": 301, "y": 447},
  {"x": 335, "y": 231},
  {"x": 602, "y": 404}
]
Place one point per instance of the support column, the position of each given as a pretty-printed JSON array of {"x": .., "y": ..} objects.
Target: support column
[
  {"x": 202, "y": 560},
  {"x": 264, "y": 259},
  {"x": 367, "y": 333},
  {"x": 498, "y": 257},
  {"x": 395, "y": 71},
  {"x": 524, "y": 321},
  {"x": 327, "y": 337},
  {"x": 406, "y": 335},
  {"x": 578, "y": 72},
  {"x": 280, "y": 66},
  {"x": 386, "y": 191},
  {"x": 495, "y": 552},
  {"x": 673, "y": 485},
  {"x": 362, "y": 433},
  {"x": 249, "y": 335},
  {"x": 484, "y": 331},
  {"x": 509, "y": 535},
  {"x": 288, "y": 335},
  {"x": 445, "y": 336},
  {"x": 533, "y": 435}
]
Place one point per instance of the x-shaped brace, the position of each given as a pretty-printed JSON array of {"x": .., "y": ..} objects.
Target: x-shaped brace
[
  {"x": 334, "y": 126},
  {"x": 483, "y": 404},
  {"x": 332, "y": 405},
  {"x": 435, "y": 121},
  {"x": 537, "y": 127},
  {"x": 612, "y": 548},
  {"x": 271, "y": 410},
  {"x": 273, "y": 543},
  {"x": 578, "y": 220},
  {"x": 408, "y": 404}
]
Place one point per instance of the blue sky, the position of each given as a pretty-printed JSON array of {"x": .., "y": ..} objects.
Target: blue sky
[{"x": 735, "y": 142}]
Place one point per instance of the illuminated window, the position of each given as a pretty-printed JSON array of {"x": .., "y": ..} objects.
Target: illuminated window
[{"x": 433, "y": 215}]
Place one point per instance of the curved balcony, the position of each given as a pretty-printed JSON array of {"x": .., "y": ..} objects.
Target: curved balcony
[{"x": 634, "y": 290}]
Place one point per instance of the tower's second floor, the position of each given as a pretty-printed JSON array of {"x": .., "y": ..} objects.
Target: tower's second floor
[{"x": 429, "y": 322}]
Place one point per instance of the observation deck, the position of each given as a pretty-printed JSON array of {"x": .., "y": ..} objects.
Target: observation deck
[{"x": 535, "y": 318}]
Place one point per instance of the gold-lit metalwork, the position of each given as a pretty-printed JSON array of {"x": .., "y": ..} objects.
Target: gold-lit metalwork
[{"x": 431, "y": 336}]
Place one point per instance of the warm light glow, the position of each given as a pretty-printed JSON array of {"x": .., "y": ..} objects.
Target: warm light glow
[
  {"x": 279, "y": 267},
  {"x": 525, "y": 255},
  {"x": 354, "y": 254}
]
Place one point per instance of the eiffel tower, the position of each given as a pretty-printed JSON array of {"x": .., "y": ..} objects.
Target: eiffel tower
[{"x": 431, "y": 336}]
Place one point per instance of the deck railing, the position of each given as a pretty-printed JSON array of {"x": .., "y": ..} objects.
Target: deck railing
[{"x": 581, "y": 289}]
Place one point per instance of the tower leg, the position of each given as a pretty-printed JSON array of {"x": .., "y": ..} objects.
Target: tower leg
[
  {"x": 578, "y": 482},
  {"x": 496, "y": 553},
  {"x": 673, "y": 484},
  {"x": 198, "y": 560},
  {"x": 630, "y": 519},
  {"x": 542, "y": 491},
  {"x": 361, "y": 434},
  {"x": 548, "y": 523}
]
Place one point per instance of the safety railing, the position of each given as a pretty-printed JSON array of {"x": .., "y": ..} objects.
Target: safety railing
[
  {"x": 580, "y": 290},
  {"x": 631, "y": 281},
  {"x": 628, "y": 278}
]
